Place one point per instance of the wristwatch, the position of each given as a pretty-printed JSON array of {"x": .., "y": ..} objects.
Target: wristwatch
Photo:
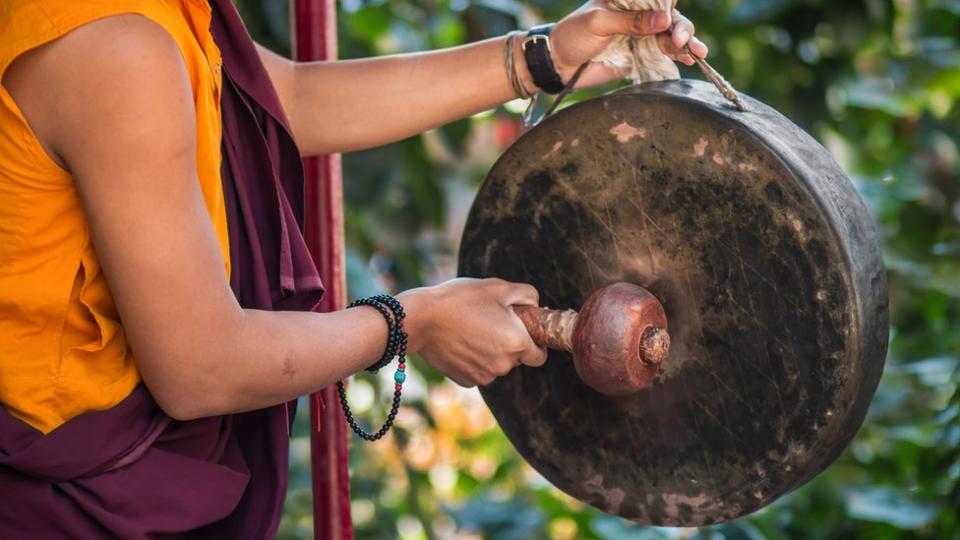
[{"x": 536, "y": 50}]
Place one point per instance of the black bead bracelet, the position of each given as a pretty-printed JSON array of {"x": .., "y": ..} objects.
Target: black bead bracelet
[
  {"x": 389, "y": 315},
  {"x": 393, "y": 314}
]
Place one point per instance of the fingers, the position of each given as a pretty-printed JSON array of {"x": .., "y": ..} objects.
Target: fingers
[
  {"x": 682, "y": 31},
  {"x": 480, "y": 337},
  {"x": 513, "y": 294},
  {"x": 674, "y": 31},
  {"x": 665, "y": 40},
  {"x": 521, "y": 294},
  {"x": 698, "y": 47},
  {"x": 534, "y": 356},
  {"x": 531, "y": 355},
  {"x": 681, "y": 35},
  {"x": 461, "y": 380},
  {"x": 605, "y": 21},
  {"x": 524, "y": 350}
]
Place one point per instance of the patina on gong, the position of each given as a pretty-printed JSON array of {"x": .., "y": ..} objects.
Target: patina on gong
[{"x": 769, "y": 269}]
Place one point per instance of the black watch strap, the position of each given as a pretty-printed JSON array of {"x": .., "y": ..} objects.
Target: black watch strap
[{"x": 536, "y": 50}]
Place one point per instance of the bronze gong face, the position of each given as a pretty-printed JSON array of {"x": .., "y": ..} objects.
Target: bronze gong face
[{"x": 766, "y": 263}]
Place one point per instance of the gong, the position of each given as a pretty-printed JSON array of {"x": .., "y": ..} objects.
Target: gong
[{"x": 765, "y": 261}]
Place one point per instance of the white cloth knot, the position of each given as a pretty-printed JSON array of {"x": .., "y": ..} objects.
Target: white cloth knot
[{"x": 646, "y": 62}]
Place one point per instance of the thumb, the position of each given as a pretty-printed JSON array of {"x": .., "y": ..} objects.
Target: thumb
[{"x": 609, "y": 22}]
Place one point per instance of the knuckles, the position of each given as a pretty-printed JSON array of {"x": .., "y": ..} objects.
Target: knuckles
[
  {"x": 502, "y": 369},
  {"x": 642, "y": 22},
  {"x": 591, "y": 19},
  {"x": 539, "y": 359},
  {"x": 493, "y": 282},
  {"x": 530, "y": 292},
  {"x": 514, "y": 343}
]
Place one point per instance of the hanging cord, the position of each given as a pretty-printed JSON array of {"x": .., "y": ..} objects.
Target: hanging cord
[
  {"x": 566, "y": 90},
  {"x": 723, "y": 86}
]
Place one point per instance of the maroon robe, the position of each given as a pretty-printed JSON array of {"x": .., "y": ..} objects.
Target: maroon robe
[{"x": 131, "y": 472}]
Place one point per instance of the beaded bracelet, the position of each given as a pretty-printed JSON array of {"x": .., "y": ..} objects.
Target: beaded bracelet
[
  {"x": 392, "y": 328},
  {"x": 393, "y": 314}
]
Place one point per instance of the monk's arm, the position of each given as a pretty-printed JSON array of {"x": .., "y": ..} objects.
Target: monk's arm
[
  {"x": 355, "y": 104},
  {"x": 121, "y": 119},
  {"x": 126, "y": 130}
]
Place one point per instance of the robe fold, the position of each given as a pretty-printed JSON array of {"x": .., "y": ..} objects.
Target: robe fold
[{"x": 131, "y": 471}]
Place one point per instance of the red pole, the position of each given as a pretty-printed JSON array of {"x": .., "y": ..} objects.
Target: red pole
[{"x": 314, "y": 31}]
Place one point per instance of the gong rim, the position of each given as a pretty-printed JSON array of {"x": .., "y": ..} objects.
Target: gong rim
[{"x": 843, "y": 216}]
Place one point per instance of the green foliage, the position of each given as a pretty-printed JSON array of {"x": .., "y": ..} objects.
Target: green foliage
[{"x": 876, "y": 81}]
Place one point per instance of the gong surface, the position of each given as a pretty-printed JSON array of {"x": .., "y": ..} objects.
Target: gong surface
[{"x": 765, "y": 260}]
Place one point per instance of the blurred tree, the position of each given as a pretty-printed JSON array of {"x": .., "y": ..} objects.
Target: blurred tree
[{"x": 877, "y": 81}]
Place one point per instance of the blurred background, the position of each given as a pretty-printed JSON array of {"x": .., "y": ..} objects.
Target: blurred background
[{"x": 876, "y": 81}]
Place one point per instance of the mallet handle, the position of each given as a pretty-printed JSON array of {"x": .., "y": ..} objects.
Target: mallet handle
[{"x": 549, "y": 328}]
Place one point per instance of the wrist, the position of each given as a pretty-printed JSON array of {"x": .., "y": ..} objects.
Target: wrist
[
  {"x": 538, "y": 51},
  {"x": 418, "y": 306},
  {"x": 566, "y": 72}
]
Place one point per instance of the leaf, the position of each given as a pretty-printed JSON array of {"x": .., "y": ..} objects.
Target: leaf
[
  {"x": 738, "y": 530},
  {"x": 934, "y": 372},
  {"x": 878, "y": 94},
  {"x": 614, "y": 528},
  {"x": 456, "y": 134},
  {"x": 504, "y": 520},
  {"x": 888, "y": 505},
  {"x": 370, "y": 22},
  {"x": 754, "y": 11}
]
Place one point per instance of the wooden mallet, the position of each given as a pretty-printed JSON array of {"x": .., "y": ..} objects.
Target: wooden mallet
[{"x": 618, "y": 339}]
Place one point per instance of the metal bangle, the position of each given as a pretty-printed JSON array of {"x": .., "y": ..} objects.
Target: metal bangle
[
  {"x": 508, "y": 63},
  {"x": 518, "y": 89}
]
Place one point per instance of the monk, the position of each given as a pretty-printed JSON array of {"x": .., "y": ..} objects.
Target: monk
[{"x": 155, "y": 289}]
